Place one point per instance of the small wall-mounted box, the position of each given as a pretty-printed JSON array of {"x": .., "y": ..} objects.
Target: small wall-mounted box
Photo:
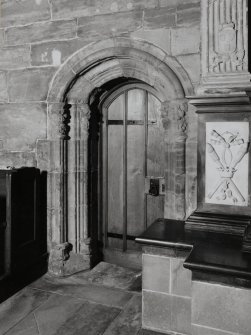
[{"x": 155, "y": 186}]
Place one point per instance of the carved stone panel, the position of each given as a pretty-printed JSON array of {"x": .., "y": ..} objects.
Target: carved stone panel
[
  {"x": 224, "y": 36},
  {"x": 226, "y": 163}
]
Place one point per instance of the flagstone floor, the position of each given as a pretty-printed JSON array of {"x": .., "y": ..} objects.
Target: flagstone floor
[{"x": 105, "y": 300}]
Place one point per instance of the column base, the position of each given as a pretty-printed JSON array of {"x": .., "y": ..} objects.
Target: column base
[{"x": 63, "y": 262}]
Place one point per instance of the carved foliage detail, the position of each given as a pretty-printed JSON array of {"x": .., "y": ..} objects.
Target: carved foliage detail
[
  {"x": 64, "y": 120},
  {"x": 174, "y": 116}
]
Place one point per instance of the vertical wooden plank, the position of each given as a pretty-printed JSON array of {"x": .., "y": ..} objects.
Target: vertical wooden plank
[
  {"x": 125, "y": 174},
  {"x": 136, "y": 161},
  {"x": 145, "y": 155},
  {"x": 8, "y": 239},
  {"x": 105, "y": 177},
  {"x": 115, "y": 178}
]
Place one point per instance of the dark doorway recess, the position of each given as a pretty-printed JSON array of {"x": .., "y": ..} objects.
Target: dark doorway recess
[{"x": 23, "y": 231}]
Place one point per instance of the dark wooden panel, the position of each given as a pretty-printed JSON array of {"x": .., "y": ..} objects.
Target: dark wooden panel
[
  {"x": 2, "y": 223},
  {"x": 28, "y": 223}
]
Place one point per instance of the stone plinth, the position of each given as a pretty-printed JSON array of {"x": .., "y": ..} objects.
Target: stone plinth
[
  {"x": 166, "y": 291},
  {"x": 194, "y": 283}
]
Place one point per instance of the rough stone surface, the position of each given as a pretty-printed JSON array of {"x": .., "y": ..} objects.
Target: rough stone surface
[
  {"x": 73, "y": 305},
  {"x": 191, "y": 64},
  {"x": 148, "y": 332},
  {"x": 109, "y": 25},
  {"x": 1, "y": 36},
  {"x": 185, "y": 41},
  {"x": 16, "y": 159},
  {"x": 30, "y": 84},
  {"x": 176, "y": 3},
  {"x": 23, "y": 125},
  {"x": 199, "y": 330},
  {"x": 57, "y": 30},
  {"x": 167, "y": 313},
  {"x": 156, "y": 273},
  {"x": 78, "y": 288},
  {"x": 62, "y": 9},
  {"x": 14, "y": 57},
  {"x": 22, "y": 12},
  {"x": 159, "y": 37},
  {"x": 188, "y": 14},
  {"x": 181, "y": 278},
  {"x": 64, "y": 316},
  {"x": 157, "y": 311},
  {"x": 56, "y": 52},
  {"x": 3, "y": 87},
  {"x": 20, "y": 305},
  {"x": 129, "y": 321},
  {"x": 112, "y": 275},
  {"x": 159, "y": 18},
  {"x": 221, "y": 307}
]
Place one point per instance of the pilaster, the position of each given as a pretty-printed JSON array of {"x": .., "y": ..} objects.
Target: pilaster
[
  {"x": 224, "y": 36},
  {"x": 175, "y": 125}
]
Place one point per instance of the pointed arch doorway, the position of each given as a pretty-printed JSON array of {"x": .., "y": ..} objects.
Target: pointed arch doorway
[{"x": 130, "y": 154}]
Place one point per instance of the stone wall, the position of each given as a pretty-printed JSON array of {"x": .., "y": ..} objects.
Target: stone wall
[
  {"x": 38, "y": 36},
  {"x": 175, "y": 303},
  {"x": 167, "y": 288}
]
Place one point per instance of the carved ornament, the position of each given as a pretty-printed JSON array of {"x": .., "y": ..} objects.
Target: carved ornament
[
  {"x": 64, "y": 121},
  {"x": 226, "y": 150}
]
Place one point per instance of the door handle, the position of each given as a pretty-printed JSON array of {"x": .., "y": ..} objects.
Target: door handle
[{"x": 154, "y": 187}]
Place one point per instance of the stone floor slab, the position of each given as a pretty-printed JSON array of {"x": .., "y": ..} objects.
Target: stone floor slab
[
  {"x": 19, "y": 306},
  {"x": 62, "y": 315},
  {"x": 28, "y": 326},
  {"x": 112, "y": 275},
  {"x": 129, "y": 320},
  {"x": 148, "y": 332},
  {"x": 69, "y": 287}
]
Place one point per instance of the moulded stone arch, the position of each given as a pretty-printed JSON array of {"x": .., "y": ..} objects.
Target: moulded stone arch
[
  {"x": 118, "y": 49},
  {"x": 68, "y": 120}
]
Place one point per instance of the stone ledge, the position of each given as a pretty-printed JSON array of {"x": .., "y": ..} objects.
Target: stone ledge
[{"x": 217, "y": 256}]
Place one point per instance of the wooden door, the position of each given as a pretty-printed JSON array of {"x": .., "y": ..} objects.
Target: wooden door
[{"x": 133, "y": 151}]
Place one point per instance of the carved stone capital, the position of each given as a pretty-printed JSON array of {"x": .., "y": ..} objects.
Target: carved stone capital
[
  {"x": 174, "y": 117},
  {"x": 64, "y": 121}
]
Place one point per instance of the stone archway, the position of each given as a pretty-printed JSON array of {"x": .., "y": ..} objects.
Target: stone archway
[{"x": 67, "y": 149}]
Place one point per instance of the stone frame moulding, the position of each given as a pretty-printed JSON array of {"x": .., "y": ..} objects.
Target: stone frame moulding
[{"x": 66, "y": 147}]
